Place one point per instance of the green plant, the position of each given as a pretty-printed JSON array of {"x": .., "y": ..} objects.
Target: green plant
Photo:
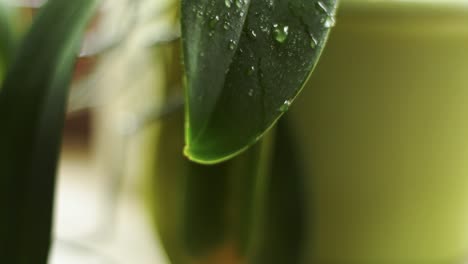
[
  {"x": 32, "y": 110},
  {"x": 231, "y": 208},
  {"x": 255, "y": 56}
]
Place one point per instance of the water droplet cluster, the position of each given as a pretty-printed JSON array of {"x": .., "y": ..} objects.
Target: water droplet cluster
[{"x": 284, "y": 38}]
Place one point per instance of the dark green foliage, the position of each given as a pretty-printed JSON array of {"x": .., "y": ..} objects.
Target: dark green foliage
[{"x": 32, "y": 110}]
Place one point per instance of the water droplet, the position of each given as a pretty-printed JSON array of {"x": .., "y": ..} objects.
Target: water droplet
[
  {"x": 200, "y": 14},
  {"x": 226, "y": 25},
  {"x": 228, "y": 3},
  {"x": 232, "y": 44},
  {"x": 252, "y": 34},
  {"x": 270, "y": 4},
  {"x": 214, "y": 21},
  {"x": 321, "y": 7},
  {"x": 239, "y": 3},
  {"x": 251, "y": 92},
  {"x": 280, "y": 33},
  {"x": 251, "y": 70},
  {"x": 313, "y": 42},
  {"x": 241, "y": 14},
  {"x": 330, "y": 22},
  {"x": 285, "y": 106}
]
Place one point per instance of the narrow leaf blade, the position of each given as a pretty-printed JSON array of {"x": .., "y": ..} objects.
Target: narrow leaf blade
[
  {"x": 245, "y": 63},
  {"x": 32, "y": 110},
  {"x": 6, "y": 38}
]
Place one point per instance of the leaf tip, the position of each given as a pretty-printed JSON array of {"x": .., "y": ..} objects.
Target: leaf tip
[{"x": 197, "y": 158}]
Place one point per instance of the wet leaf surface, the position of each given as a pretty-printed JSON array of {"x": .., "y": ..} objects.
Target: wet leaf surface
[{"x": 245, "y": 63}]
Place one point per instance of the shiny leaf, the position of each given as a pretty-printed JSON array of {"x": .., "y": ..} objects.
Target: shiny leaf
[{"x": 245, "y": 63}]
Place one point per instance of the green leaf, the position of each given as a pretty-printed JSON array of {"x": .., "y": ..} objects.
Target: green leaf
[
  {"x": 6, "y": 38},
  {"x": 32, "y": 110},
  {"x": 245, "y": 63}
]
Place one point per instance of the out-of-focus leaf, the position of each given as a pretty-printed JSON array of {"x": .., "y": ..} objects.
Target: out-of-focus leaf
[
  {"x": 6, "y": 38},
  {"x": 245, "y": 63},
  {"x": 283, "y": 217},
  {"x": 32, "y": 107}
]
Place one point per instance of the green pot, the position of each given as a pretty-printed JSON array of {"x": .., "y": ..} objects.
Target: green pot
[{"x": 383, "y": 126}]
